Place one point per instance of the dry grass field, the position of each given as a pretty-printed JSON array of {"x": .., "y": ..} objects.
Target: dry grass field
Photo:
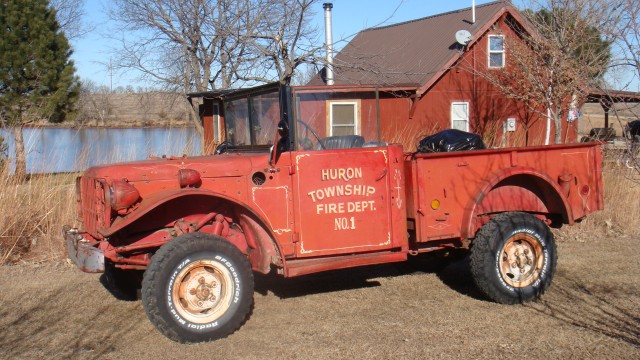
[
  {"x": 619, "y": 115},
  {"x": 592, "y": 311}
]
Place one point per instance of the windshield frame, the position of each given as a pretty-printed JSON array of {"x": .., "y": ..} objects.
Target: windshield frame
[{"x": 284, "y": 94}]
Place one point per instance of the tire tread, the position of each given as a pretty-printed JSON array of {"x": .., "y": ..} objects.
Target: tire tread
[
  {"x": 483, "y": 253},
  {"x": 183, "y": 245}
]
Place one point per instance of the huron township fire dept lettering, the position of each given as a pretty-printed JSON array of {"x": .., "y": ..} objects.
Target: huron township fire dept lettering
[
  {"x": 341, "y": 190},
  {"x": 319, "y": 196},
  {"x": 345, "y": 174}
]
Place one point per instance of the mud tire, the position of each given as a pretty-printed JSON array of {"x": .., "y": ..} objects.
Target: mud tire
[
  {"x": 170, "y": 293},
  {"x": 492, "y": 252}
]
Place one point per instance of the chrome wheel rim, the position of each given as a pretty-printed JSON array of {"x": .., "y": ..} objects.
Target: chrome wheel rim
[
  {"x": 203, "y": 291},
  {"x": 521, "y": 260}
]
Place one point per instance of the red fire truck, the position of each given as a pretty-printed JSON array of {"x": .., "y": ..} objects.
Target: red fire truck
[{"x": 191, "y": 231}]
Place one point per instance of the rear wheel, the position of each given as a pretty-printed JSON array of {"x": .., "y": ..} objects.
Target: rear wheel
[
  {"x": 513, "y": 258},
  {"x": 197, "y": 288}
]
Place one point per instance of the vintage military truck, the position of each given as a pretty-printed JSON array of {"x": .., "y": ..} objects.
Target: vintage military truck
[{"x": 190, "y": 231}]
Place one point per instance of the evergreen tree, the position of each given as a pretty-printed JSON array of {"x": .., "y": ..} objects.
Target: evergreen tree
[
  {"x": 37, "y": 78},
  {"x": 593, "y": 50}
]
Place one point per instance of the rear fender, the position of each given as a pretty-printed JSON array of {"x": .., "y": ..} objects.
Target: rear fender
[{"x": 515, "y": 189}]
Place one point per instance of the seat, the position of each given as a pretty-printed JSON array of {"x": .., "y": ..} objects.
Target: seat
[
  {"x": 375, "y": 144},
  {"x": 342, "y": 142}
]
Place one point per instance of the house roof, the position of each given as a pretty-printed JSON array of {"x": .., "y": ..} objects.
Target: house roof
[
  {"x": 608, "y": 97},
  {"x": 233, "y": 93},
  {"x": 417, "y": 51}
]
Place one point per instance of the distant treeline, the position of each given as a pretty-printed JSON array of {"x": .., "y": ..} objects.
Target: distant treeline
[{"x": 128, "y": 108}]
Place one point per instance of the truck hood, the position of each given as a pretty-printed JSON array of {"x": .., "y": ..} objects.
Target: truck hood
[{"x": 212, "y": 166}]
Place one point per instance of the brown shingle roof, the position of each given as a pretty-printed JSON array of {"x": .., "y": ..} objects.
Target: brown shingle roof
[{"x": 409, "y": 52}]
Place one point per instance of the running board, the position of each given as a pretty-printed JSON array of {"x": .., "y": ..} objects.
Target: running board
[{"x": 309, "y": 266}]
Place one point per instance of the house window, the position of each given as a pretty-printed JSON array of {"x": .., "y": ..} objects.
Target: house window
[
  {"x": 343, "y": 118},
  {"x": 460, "y": 116},
  {"x": 496, "y": 51}
]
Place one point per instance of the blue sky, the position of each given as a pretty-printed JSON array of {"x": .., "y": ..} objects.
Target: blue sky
[{"x": 92, "y": 52}]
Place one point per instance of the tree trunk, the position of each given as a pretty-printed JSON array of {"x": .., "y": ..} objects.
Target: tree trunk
[
  {"x": 557, "y": 122},
  {"x": 21, "y": 158},
  {"x": 195, "y": 117}
]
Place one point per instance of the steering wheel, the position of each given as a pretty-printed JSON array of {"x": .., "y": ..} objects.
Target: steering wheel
[{"x": 309, "y": 129}]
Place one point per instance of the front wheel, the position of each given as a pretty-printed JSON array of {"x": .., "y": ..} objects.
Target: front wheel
[
  {"x": 513, "y": 258},
  {"x": 198, "y": 287}
]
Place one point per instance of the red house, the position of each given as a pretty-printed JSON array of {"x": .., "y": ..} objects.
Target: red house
[{"x": 400, "y": 82}]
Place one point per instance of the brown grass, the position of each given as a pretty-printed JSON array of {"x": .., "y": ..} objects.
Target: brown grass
[
  {"x": 410, "y": 134},
  {"x": 34, "y": 212},
  {"x": 621, "y": 214}
]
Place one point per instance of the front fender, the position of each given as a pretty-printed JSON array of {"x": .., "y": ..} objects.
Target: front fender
[
  {"x": 163, "y": 197},
  {"x": 258, "y": 234}
]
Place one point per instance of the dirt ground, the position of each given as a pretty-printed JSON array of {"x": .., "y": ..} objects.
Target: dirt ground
[{"x": 591, "y": 311}]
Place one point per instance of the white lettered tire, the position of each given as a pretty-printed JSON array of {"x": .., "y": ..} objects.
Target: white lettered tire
[
  {"x": 198, "y": 287},
  {"x": 513, "y": 258}
]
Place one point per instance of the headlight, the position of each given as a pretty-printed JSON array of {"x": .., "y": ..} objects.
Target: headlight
[
  {"x": 189, "y": 177},
  {"x": 123, "y": 195}
]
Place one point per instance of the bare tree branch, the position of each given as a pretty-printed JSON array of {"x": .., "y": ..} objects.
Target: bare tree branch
[{"x": 70, "y": 15}]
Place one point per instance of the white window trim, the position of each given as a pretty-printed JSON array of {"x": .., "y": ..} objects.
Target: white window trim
[
  {"x": 451, "y": 113},
  {"x": 356, "y": 110},
  {"x": 217, "y": 124},
  {"x": 489, "y": 52}
]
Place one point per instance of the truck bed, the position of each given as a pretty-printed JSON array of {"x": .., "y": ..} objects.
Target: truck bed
[{"x": 451, "y": 195}]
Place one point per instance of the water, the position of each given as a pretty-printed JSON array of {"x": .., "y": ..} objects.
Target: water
[{"x": 53, "y": 150}]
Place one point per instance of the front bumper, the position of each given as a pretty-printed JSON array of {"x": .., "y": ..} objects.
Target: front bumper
[{"x": 86, "y": 256}]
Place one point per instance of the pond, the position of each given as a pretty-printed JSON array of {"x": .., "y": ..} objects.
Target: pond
[{"x": 54, "y": 150}]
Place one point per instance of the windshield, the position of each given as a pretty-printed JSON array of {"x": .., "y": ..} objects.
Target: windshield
[
  {"x": 335, "y": 118},
  {"x": 252, "y": 120},
  {"x": 325, "y": 119}
]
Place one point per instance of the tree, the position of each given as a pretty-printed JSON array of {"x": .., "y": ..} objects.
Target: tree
[
  {"x": 4, "y": 153},
  {"x": 560, "y": 25},
  {"x": 70, "y": 14},
  {"x": 556, "y": 64},
  {"x": 37, "y": 78},
  {"x": 198, "y": 45},
  {"x": 620, "y": 23},
  {"x": 95, "y": 103},
  {"x": 282, "y": 40}
]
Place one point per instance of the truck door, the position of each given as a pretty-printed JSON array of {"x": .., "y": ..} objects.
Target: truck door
[{"x": 342, "y": 201}]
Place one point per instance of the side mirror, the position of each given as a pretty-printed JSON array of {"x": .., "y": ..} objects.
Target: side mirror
[
  {"x": 283, "y": 129},
  {"x": 279, "y": 142}
]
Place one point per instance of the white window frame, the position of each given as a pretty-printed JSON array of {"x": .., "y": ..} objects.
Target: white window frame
[
  {"x": 489, "y": 52},
  {"x": 453, "y": 103},
  {"x": 356, "y": 115},
  {"x": 217, "y": 125}
]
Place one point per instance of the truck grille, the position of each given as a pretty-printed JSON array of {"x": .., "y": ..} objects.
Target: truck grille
[{"x": 95, "y": 211}]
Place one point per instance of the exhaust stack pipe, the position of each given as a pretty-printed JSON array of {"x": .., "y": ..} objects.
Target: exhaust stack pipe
[
  {"x": 329, "y": 42},
  {"x": 473, "y": 11}
]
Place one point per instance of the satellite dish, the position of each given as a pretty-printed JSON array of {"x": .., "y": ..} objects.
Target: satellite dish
[{"x": 463, "y": 37}]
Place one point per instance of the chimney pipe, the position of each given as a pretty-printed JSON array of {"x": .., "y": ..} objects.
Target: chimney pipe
[
  {"x": 329, "y": 42},
  {"x": 473, "y": 11}
]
